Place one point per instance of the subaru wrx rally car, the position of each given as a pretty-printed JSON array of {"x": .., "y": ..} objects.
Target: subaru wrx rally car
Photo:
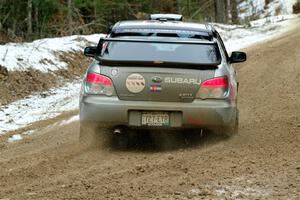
[{"x": 161, "y": 73}]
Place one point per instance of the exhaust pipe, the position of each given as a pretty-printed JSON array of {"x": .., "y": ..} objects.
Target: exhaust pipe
[
  {"x": 117, "y": 131},
  {"x": 201, "y": 133}
]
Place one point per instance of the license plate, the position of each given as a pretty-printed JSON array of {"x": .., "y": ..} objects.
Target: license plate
[{"x": 155, "y": 119}]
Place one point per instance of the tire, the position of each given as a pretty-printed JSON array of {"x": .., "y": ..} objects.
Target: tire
[
  {"x": 230, "y": 130},
  {"x": 233, "y": 130}
]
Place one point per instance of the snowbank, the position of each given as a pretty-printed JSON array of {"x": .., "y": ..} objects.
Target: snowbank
[
  {"x": 238, "y": 37},
  {"x": 42, "y": 54}
]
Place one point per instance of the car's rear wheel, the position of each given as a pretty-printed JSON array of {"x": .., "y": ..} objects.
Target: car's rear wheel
[{"x": 232, "y": 130}]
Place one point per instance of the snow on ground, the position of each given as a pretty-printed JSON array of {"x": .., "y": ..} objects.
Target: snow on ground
[
  {"x": 238, "y": 37},
  {"x": 17, "y": 137},
  {"x": 70, "y": 120},
  {"x": 39, "y": 107},
  {"x": 249, "y": 8},
  {"x": 238, "y": 188},
  {"x": 42, "y": 54},
  {"x": 56, "y": 101},
  {"x": 14, "y": 138}
]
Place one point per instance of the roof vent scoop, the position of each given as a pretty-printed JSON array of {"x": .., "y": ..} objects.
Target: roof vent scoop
[{"x": 166, "y": 17}]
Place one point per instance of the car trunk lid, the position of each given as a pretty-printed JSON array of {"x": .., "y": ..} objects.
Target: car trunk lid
[{"x": 156, "y": 83}]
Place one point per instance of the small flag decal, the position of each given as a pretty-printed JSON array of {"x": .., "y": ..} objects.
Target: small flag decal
[{"x": 155, "y": 88}]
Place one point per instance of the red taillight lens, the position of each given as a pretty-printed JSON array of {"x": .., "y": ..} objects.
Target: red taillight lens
[
  {"x": 216, "y": 88},
  {"x": 99, "y": 84},
  {"x": 98, "y": 79},
  {"x": 220, "y": 82}
]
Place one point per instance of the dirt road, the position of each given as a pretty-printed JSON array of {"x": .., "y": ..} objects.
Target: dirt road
[{"x": 262, "y": 162}]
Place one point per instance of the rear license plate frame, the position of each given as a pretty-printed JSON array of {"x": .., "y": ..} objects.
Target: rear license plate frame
[{"x": 155, "y": 119}]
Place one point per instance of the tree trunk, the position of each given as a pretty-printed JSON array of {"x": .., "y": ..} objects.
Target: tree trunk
[
  {"x": 95, "y": 9},
  {"x": 220, "y": 11},
  {"x": 29, "y": 18},
  {"x": 70, "y": 18},
  {"x": 178, "y": 6},
  {"x": 36, "y": 20},
  {"x": 234, "y": 12},
  {"x": 188, "y": 7}
]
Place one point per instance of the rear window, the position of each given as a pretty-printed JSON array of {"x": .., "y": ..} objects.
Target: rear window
[{"x": 206, "y": 54}]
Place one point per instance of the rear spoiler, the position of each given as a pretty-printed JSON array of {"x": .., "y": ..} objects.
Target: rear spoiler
[
  {"x": 103, "y": 40},
  {"x": 157, "y": 41}
]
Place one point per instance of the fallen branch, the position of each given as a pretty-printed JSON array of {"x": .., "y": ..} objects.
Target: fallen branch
[{"x": 4, "y": 56}]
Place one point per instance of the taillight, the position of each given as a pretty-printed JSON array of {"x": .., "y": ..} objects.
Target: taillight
[
  {"x": 216, "y": 88},
  {"x": 98, "y": 84}
]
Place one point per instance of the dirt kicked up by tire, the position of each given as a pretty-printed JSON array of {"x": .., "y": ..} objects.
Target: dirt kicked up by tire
[{"x": 261, "y": 162}]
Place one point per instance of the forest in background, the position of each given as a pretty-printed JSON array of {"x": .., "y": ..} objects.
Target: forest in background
[{"x": 25, "y": 20}]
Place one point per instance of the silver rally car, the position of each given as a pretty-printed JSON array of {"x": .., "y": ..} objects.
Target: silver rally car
[{"x": 160, "y": 73}]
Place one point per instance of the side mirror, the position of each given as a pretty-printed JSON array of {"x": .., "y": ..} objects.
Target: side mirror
[
  {"x": 237, "y": 57},
  {"x": 90, "y": 51}
]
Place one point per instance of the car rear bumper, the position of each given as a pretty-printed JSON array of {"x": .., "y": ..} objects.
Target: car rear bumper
[{"x": 110, "y": 111}]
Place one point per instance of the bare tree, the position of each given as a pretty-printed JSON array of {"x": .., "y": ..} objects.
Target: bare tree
[
  {"x": 234, "y": 12},
  {"x": 221, "y": 11},
  {"x": 36, "y": 20},
  {"x": 29, "y": 18},
  {"x": 70, "y": 18}
]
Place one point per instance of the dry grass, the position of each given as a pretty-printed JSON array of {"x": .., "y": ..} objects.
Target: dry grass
[{"x": 19, "y": 84}]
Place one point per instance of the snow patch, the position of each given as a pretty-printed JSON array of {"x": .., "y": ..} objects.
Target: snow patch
[
  {"x": 14, "y": 138},
  {"x": 28, "y": 132},
  {"x": 70, "y": 120},
  {"x": 36, "y": 107},
  {"x": 18, "y": 137},
  {"x": 235, "y": 191},
  {"x": 238, "y": 188}
]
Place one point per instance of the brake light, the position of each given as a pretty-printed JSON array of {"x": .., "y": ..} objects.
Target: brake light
[
  {"x": 99, "y": 84},
  {"x": 98, "y": 79},
  {"x": 220, "y": 82},
  {"x": 216, "y": 88}
]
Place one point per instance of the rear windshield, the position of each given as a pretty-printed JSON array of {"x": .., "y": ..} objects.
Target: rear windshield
[{"x": 206, "y": 54}]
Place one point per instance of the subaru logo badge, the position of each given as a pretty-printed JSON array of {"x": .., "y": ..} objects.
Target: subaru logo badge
[{"x": 156, "y": 79}]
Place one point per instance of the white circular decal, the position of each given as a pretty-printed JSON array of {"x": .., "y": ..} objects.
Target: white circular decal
[
  {"x": 114, "y": 72},
  {"x": 135, "y": 83}
]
